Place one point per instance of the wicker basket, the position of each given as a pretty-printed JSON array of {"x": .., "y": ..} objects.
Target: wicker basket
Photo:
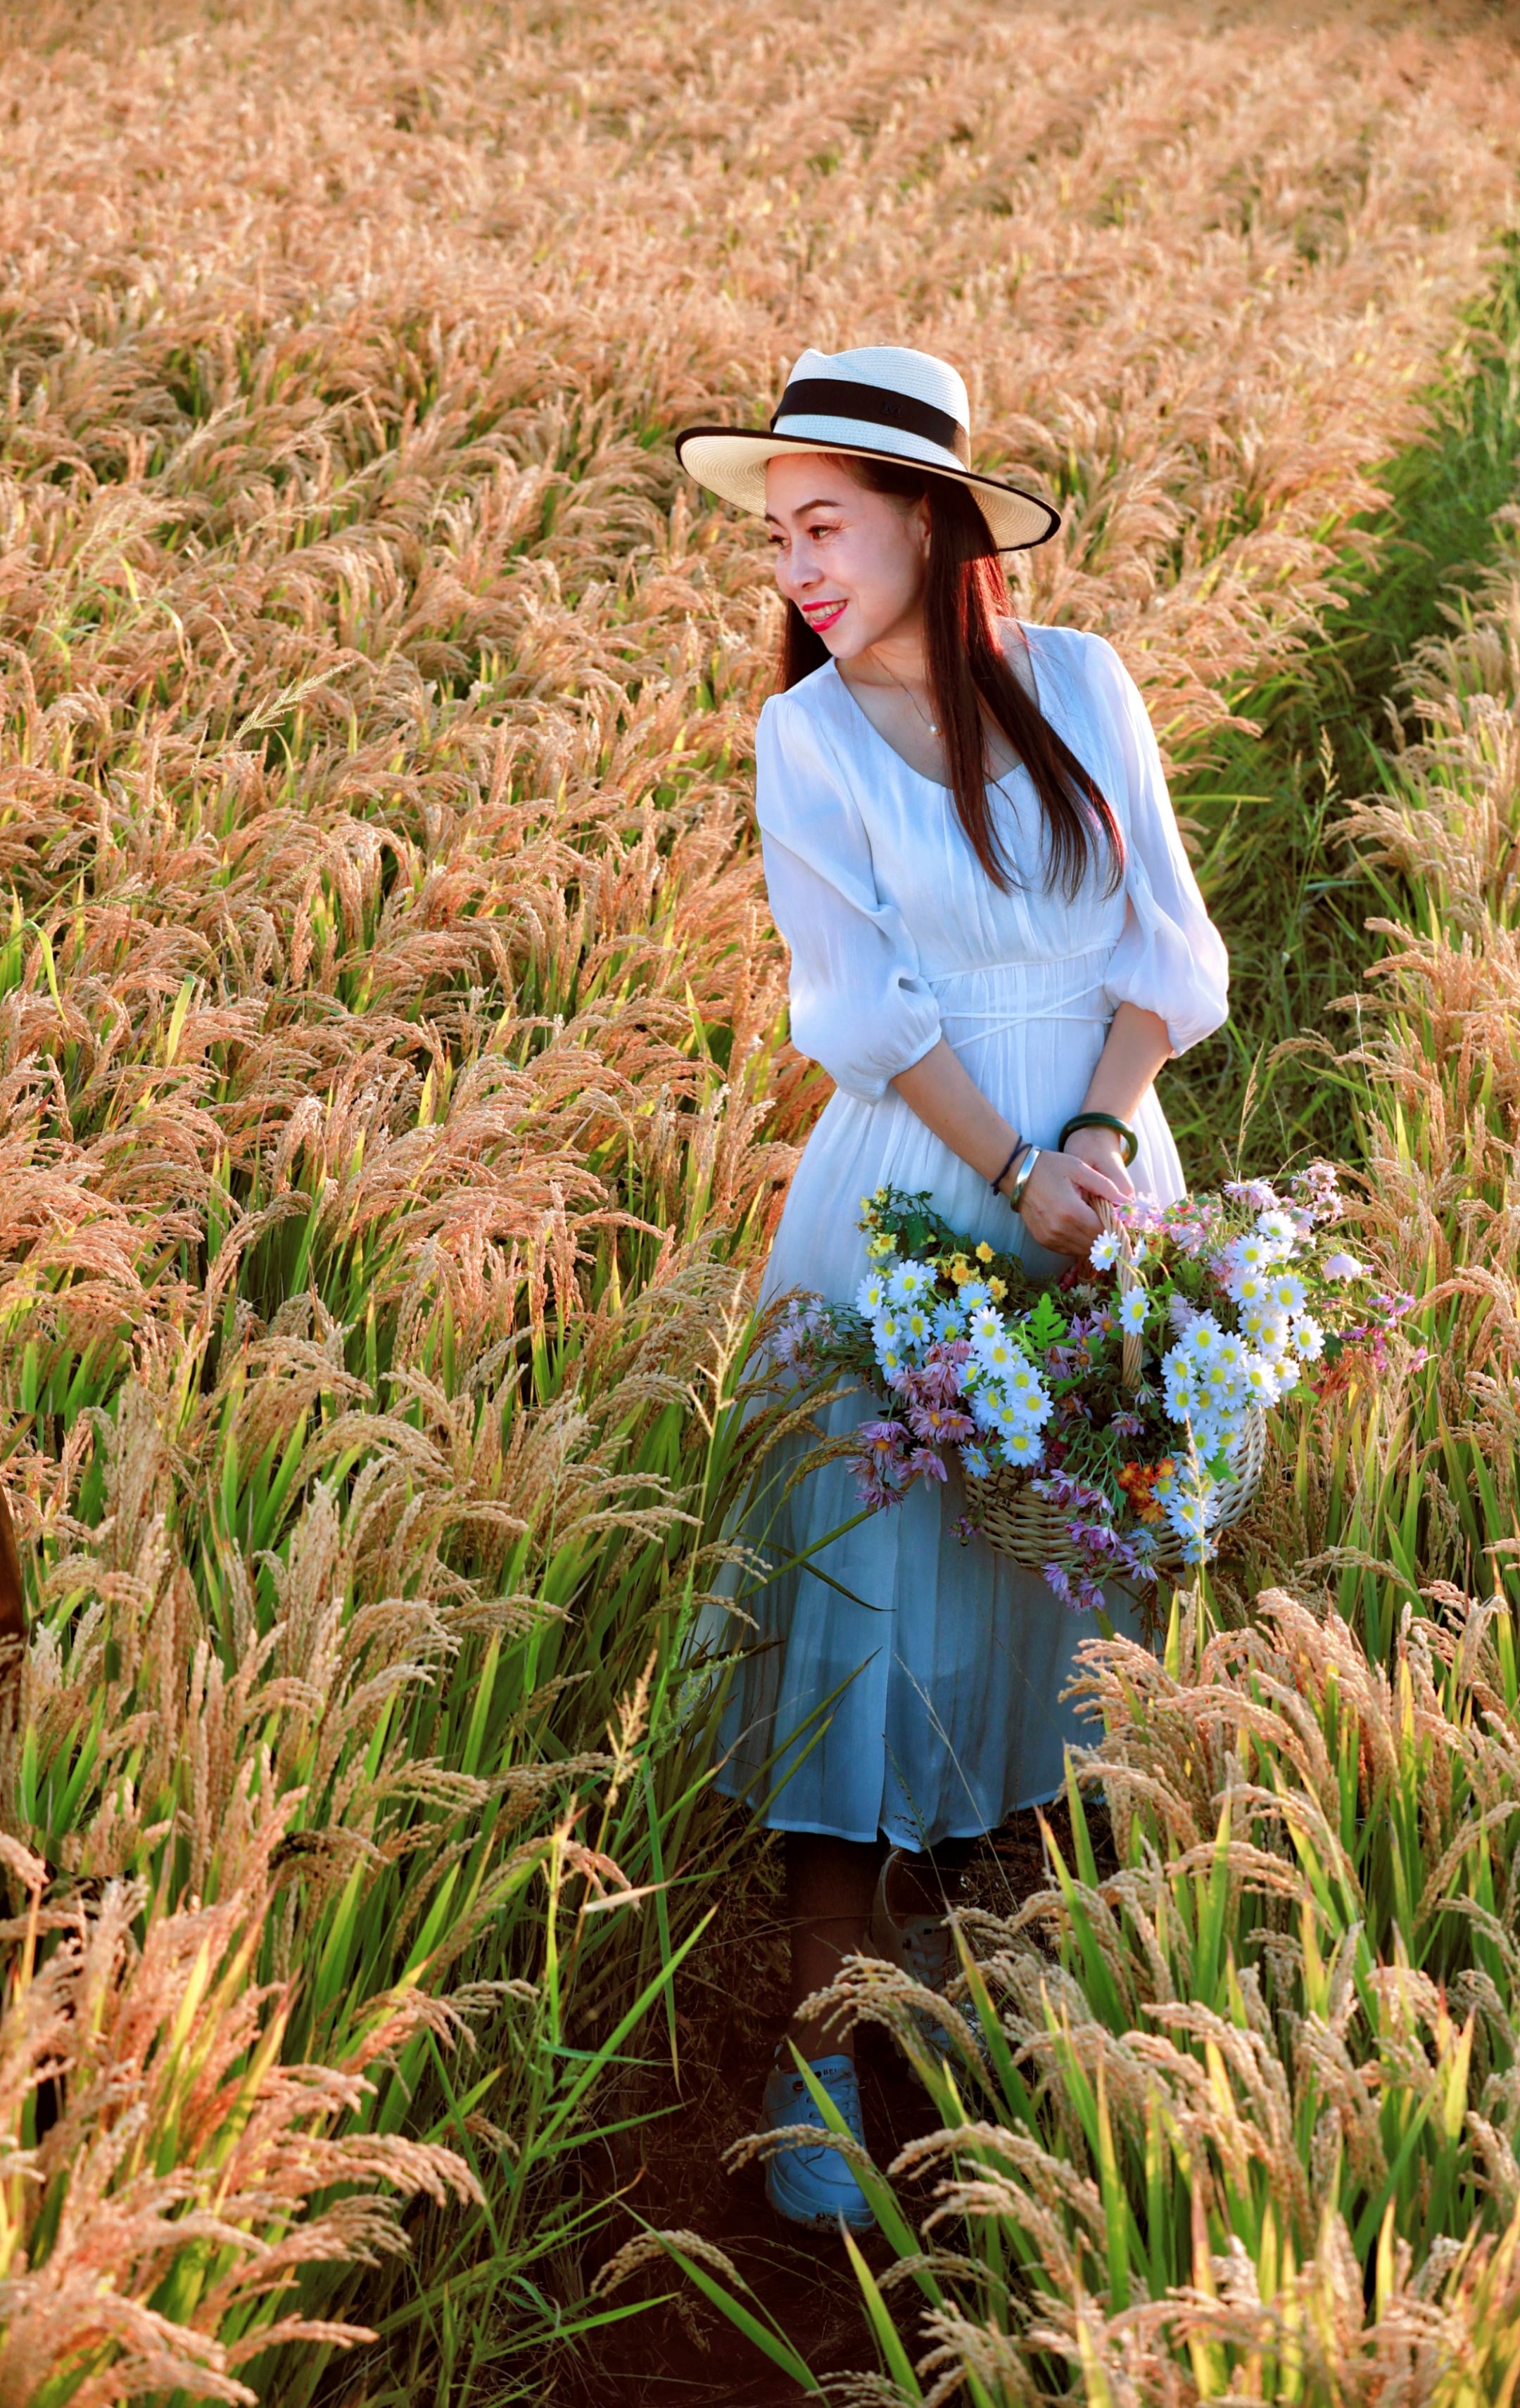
[{"x": 1034, "y": 1532}]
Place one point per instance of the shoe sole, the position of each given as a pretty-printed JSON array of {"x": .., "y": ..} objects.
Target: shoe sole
[{"x": 816, "y": 2219}]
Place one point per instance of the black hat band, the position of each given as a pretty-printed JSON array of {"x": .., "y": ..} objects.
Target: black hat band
[{"x": 872, "y": 406}]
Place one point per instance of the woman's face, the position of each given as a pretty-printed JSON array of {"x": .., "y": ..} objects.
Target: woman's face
[{"x": 852, "y": 561}]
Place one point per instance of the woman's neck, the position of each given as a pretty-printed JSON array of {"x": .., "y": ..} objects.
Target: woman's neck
[
  {"x": 902, "y": 711},
  {"x": 895, "y": 659},
  {"x": 899, "y": 659}
]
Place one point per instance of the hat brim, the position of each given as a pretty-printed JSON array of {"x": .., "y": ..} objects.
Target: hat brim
[{"x": 732, "y": 463}]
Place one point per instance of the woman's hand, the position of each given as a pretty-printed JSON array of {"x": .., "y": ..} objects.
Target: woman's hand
[
  {"x": 1103, "y": 1150},
  {"x": 1055, "y": 1210}
]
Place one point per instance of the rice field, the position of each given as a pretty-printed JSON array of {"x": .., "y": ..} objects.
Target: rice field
[{"x": 398, "y": 1100}]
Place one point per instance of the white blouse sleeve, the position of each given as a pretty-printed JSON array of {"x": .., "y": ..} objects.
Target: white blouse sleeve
[
  {"x": 1170, "y": 958},
  {"x": 858, "y": 1004}
]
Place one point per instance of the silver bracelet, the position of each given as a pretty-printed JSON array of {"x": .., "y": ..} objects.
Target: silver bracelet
[{"x": 1015, "y": 1193}]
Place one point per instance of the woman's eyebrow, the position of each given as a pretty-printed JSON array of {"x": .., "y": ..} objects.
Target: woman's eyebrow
[{"x": 821, "y": 502}]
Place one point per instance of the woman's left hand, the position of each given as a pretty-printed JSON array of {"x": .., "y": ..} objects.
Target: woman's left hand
[{"x": 1103, "y": 1148}]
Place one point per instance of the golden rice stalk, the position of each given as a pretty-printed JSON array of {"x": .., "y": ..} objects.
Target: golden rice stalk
[
  {"x": 393, "y": 1098},
  {"x": 136, "y": 2040}
]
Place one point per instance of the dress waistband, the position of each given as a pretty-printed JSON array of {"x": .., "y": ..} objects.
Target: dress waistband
[{"x": 1060, "y": 1007}]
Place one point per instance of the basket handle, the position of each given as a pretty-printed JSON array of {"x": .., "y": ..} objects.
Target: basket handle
[{"x": 1129, "y": 1280}]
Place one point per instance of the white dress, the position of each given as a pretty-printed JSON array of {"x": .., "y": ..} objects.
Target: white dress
[{"x": 916, "y": 1689}]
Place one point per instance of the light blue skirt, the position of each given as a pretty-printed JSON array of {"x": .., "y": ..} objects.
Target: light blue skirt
[{"x": 903, "y": 1680}]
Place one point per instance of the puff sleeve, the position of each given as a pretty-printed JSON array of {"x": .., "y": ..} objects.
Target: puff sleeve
[
  {"x": 1170, "y": 958},
  {"x": 859, "y": 1006}
]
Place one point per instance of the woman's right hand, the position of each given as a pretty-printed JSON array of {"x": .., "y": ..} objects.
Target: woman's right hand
[{"x": 1055, "y": 1210}]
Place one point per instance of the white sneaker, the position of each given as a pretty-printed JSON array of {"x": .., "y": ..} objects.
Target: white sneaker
[
  {"x": 922, "y": 1946},
  {"x": 919, "y": 1944}
]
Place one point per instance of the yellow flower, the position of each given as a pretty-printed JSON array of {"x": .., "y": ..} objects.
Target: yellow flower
[
  {"x": 997, "y": 1289},
  {"x": 960, "y": 1270},
  {"x": 983, "y": 1251},
  {"x": 880, "y": 1246},
  {"x": 881, "y": 1197}
]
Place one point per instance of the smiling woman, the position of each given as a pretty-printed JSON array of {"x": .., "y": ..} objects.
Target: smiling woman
[
  {"x": 944, "y": 589},
  {"x": 994, "y": 930}
]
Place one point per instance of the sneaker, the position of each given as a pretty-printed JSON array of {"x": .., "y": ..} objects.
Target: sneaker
[
  {"x": 919, "y": 1945},
  {"x": 816, "y": 2185},
  {"x": 923, "y": 1947}
]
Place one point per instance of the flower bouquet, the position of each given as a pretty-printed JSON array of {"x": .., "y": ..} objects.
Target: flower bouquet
[{"x": 1117, "y": 1423}]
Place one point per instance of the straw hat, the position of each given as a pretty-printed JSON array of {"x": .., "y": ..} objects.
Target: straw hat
[{"x": 882, "y": 403}]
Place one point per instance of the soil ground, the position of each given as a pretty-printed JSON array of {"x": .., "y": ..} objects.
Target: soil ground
[{"x": 684, "y": 2353}]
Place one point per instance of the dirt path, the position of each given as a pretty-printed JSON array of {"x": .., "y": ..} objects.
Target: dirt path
[{"x": 732, "y": 2011}]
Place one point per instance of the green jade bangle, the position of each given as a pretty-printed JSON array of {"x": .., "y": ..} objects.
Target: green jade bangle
[{"x": 1101, "y": 1120}]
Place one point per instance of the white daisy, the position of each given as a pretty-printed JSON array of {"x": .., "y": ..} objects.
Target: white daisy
[
  {"x": 908, "y": 1281},
  {"x": 1022, "y": 1446},
  {"x": 1286, "y": 1292},
  {"x": 1250, "y": 1253},
  {"x": 1308, "y": 1337},
  {"x": 1026, "y": 1390},
  {"x": 997, "y": 1352},
  {"x": 1277, "y": 1228}
]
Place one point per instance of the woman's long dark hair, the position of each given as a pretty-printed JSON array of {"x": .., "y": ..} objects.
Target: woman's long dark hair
[{"x": 969, "y": 681}]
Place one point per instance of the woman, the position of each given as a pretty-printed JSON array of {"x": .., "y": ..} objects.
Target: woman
[{"x": 994, "y": 933}]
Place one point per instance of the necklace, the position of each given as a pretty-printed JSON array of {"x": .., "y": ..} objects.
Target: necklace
[{"x": 931, "y": 725}]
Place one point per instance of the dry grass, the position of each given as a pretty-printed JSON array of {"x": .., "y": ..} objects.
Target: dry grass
[
  {"x": 394, "y": 1095},
  {"x": 158, "y": 2269},
  {"x": 1246, "y": 2125},
  {"x": 1419, "y": 1484}
]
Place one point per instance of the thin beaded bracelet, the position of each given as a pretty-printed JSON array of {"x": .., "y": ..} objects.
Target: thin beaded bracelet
[
  {"x": 1101, "y": 1120},
  {"x": 1022, "y": 1147}
]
